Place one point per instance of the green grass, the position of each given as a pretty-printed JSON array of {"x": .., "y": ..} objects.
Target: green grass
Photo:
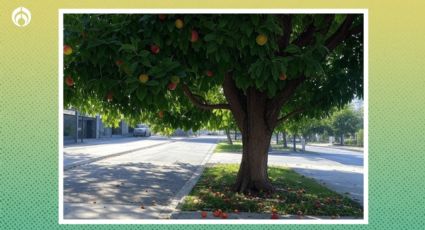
[
  {"x": 224, "y": 147},
  {"x": 294, "y": 194}
]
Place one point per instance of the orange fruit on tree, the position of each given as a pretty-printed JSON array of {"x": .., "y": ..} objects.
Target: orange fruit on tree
[
  {"x": 69, "y": 81},
  {"x": 109, "y": 96},
  {"x": 194, "y": 36},
  {"x": 162, "y": 17},
  {"x": 143, "y": 78},
  {"x": 179, "y": 23},
  {"x": 67, "y": 50},
  {"x": 261, "y": 39},
  {"x": 210, "y": 73}
]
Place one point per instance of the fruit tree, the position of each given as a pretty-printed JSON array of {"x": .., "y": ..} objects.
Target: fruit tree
[{"x": 174, "y": 70}]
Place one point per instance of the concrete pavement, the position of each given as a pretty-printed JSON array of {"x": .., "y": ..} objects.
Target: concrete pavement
[
  {"x": 76, "y": 154},
  {"x": 140, "y": 184}
]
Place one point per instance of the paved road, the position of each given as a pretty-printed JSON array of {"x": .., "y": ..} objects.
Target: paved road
[
  {"x": 85, "y": 152},
  {"x": 340, "y": 170},
  {"x": 118, "y": 187}
]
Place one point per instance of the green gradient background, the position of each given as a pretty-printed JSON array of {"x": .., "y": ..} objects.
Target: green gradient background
[{"x": 29, "y": 112}]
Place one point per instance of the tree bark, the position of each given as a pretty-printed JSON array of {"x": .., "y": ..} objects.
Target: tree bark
[
  {"x": 252, "y": 176},
  {"x": 294, "y": 142},
  {"x": 229, "y": 139},
  {"x": 342, "y": 139},
  {"x": 285, "y": 143}
]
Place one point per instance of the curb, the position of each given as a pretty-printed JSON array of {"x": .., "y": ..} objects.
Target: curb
[
  {"x": 187, "y": 215},
  {"x": 74, "y": 165},
  {"x": 187, "y": 187}
]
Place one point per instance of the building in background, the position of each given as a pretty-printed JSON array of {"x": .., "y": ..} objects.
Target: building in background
[{"x": 78, "y": 127}]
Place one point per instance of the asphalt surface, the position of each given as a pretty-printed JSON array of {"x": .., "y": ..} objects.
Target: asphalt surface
[{"x": 139, "y": 184}]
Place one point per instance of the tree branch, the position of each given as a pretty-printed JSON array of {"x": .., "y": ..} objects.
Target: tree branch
[
  {"x": 341, "y": 33},
  {"x": 286, "y": 22},
  {"x": 275, "y": 104},
  {"x": 199, "y": 102},
  {"x": 328, "y": 22},
  {"x": 291, "y": 114},
  {"x": 306, "y": 37}
]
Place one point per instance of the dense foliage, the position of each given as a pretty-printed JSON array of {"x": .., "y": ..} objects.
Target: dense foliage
[{"x": 143, "y": 67}]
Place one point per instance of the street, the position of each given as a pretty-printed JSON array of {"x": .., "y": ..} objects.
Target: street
[
  {"x": 139, "y": 184},
  {"x": 139, "y": 178}
]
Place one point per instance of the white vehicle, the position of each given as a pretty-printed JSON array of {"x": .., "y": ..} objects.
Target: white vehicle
[{"x": 142, "y": 130}]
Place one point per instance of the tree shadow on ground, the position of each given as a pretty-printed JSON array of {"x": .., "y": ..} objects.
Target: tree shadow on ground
[
  {"x": 135, "y": 183},
  {"x": 346, "y": 183}
]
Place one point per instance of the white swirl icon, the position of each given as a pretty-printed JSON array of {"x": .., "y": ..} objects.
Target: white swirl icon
[{"x": 21, "y": 16}]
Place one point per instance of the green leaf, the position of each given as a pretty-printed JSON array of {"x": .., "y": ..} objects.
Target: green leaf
[
  {"x": 291, "y": 48},
  {"x": 272, "y": 87},
  {"x": 128, "y": 47},
  {"x": 209, "y": 37},
  {"x": 141, "y": 93},
  {"x": 152, "y": 83}
]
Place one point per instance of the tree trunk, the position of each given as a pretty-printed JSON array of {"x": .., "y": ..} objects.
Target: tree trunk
[
  {"x": 342, "y": 139},
  {"x": 229, "y": 139},
  {"x": 285, "y": 143},
  {"x": 295, "y": 143},
  {"x": 252, "y": 175},
  {"x": 256, "y": 134},
  {"x": 236, "y": 137}
]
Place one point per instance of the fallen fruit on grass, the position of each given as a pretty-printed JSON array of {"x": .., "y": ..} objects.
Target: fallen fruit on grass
[
  {"x": 179, "y": 23},
  {"x": 69, "y": 81},
  {"x": 217, "y": 213},
  {"x": 261, "y": 39},
  {"x": 67, "y": 50},
  {"x": 204, "y": 214},
  {"x": 224, "y": 215},
  {"x": 143, "y": 78},
  {"x": 274, "y": 216}
]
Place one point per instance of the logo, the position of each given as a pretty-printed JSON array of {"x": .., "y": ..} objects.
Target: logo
[{"x": 21, "y": 16}]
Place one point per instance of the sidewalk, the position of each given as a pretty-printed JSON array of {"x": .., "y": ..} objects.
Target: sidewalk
[
  {"x": 97, "y": 149},
  {"x": 327, "y": 145}
]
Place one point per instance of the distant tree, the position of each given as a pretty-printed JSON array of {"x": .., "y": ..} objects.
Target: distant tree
[{"x": 345, "y": 122}]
